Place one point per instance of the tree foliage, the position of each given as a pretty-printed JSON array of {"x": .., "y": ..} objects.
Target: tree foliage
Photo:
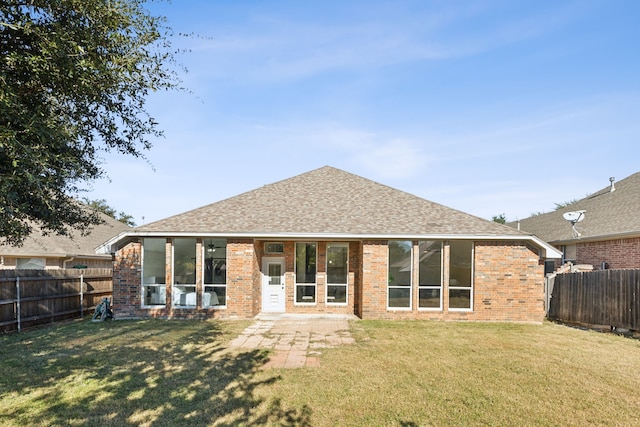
[
  {"x": 500, "y": 219},
  {"x": 564, "y": 204},
  {"x": 101, "y": 205},
  {"x": 74, "y": 79}
]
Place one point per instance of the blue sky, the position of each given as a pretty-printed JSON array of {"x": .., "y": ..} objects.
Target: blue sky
[{"x": 488, "y": 107}]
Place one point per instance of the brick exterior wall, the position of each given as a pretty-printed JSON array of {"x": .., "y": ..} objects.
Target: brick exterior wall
[
  {"x": 321, "y": 306},
  {"x": 508, "y": 283},
  {"x": 618, "y": 253},
  {"x": 374, "y": 279},
  {"x": 126, "y": 296},
  {"x": 241, "y": 267}
]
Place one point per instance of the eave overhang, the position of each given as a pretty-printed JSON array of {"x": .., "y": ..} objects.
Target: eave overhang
[{"x": 548, "y": 251}]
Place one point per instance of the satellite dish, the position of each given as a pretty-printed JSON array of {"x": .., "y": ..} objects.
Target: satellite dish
[{"x": 574, "y": 217}]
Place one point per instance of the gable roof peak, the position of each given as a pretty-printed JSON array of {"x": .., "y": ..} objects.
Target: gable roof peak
[{"x": 327, "y": 201}]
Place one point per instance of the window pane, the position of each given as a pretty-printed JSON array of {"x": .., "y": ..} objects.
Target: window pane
[
  {"x": 429, "y": 298},
  {"x": 400, "y": 297},
  {"x": 460, "y": 266},
  {"x": 275, "y": 273},
  {"x": 214, "y": 296},
  {"x": 336, "y": 294},
  {"x": 337, "y": 271},
  {"x": 215, "y": 261},
  {"x": 400, "y": 263},
  {"x": 153, "y": 262},
  {"x": 274, "y": 248},
  {"x": 430, "y": 273},
  {"x": 305, "y": 293},
  {"x": 31, "y": 263},
  {"x": 184, "y": 261},
  {"x": 184, "y": 295},
  {"x": 153, "y": 271},
  {"x": 305, "y": 263},
  {"x": 460, "y": 298}
]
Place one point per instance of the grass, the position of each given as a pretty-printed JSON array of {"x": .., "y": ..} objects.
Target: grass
[{"x": 413, "y": 373}]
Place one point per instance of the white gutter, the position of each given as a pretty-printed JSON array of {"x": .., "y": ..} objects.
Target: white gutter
[{"x": 550, "y": 251}]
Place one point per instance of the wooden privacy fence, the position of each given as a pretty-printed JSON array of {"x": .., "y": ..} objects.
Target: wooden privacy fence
[
  {"x": 33, "y": 297},
  {"x": 603, "y": 297}
]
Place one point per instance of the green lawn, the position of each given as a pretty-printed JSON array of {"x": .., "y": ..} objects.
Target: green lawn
[{"x": 414, "y": 373}]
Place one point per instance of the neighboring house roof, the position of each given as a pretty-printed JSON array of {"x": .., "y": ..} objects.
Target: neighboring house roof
[
  {"x": 609, "y": 214},
  {"x": 54, "y": 245},
  {"x": 327, "y": 202}
]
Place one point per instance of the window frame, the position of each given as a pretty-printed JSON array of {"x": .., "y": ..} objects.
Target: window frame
[
  {"x": 342, "y": 285},
  {"x": 300, "y": 284},
  {"x": 267, "y": 250},
  {"x": 460, "y": 288},
  {"x": 410, "y": 287},
  {"x": 212, "y": 286},
  {"x": 185, "y": 286},
  {"x": 441, "y": 287},
  {"x": 161, "y": 287}
]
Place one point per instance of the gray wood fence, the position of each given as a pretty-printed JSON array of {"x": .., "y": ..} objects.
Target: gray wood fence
[
  {"x": 33, "y": 297},
  {"x": 603, "y": 297}
]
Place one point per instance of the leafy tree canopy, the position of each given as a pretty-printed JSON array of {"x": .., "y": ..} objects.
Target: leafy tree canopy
[
  {"x": 102, "y": 206},
  {"x": 74, "y": 77},
  {"x": 500, "y": 219}
]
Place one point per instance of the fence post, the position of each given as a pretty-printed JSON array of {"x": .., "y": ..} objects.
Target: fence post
[
  {"x": 81, "y": 295},
  {"x": 18, "y": 301}
]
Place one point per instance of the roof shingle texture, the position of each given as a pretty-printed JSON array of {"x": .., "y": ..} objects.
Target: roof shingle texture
[
  {"x": 328, "y": 201},
  {"x": 53, "y": 244},
  {"x": 608, "y": 213}
]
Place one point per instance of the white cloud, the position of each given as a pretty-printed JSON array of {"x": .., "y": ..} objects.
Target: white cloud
[{"x": 278, "y": 47}]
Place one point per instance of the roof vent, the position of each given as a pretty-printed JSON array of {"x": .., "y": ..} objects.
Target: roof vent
[{"x": 613, "y": 187}]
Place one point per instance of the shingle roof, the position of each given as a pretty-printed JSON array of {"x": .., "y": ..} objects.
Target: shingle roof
[
  {"x": 608, "y": 214},
  {"x": 54, "y": 245},
  {"x": 332, "y": 201}
]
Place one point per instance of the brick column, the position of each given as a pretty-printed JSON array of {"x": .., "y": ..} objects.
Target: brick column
[
  {"x": 127, "y": 278},
  {"x": 374, "y": 278},
  {"x": 241, "y": 259}
]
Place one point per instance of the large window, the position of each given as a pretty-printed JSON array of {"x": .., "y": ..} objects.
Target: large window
[
  {"x": 337, "y": 272},
  {"x": 399, "y": 277},
  {"x": 430, "y": 275},
  {"x": 215, "y": 273},
  {"x": 184, "y": 272},
  {"x": 305, "y": 273},
  {"x": 461, "y": 275},
  {"x": 153, "y": 272}
]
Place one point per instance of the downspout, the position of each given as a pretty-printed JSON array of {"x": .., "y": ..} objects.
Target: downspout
[{"x": 64, "y": 263}]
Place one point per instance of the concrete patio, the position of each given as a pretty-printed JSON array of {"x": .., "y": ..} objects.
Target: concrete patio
[{"x": 297, "y": 340}]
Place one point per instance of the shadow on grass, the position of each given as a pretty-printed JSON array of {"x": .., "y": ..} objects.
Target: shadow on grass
[{"x": 151, "y": 373}]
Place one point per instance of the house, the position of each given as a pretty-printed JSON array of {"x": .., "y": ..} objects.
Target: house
[
  {"x": 52, "y": 251},
  {"x": 328, "y": 241},
  {"x": 605, "y": 232}
]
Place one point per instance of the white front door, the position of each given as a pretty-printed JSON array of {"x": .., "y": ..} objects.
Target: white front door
[{"x": 273, "y": 294}]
